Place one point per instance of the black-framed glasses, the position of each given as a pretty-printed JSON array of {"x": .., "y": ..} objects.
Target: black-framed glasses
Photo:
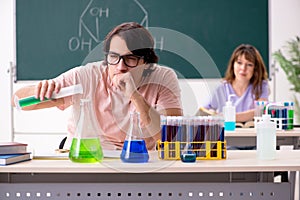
[{"x": 130, "y": 60}]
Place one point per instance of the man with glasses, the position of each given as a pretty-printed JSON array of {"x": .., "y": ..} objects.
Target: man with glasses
[{"x": 129, "y": 79}]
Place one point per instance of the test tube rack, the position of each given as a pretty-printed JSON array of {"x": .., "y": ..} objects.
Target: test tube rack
[
  {"x": 202, "y": 136},
  {"x": 281, "y": 123},
  {"x": 206, "y": 150},
  {"x": 282, "y": 113}
]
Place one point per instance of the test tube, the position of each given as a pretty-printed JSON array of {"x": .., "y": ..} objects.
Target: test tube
[
  {"x": 64, "y": 92},
  {"x": 163, "y": 124},
  {"x": 284, "y": 117},
  {"x": 291, "y": 115},
  {"x": 202, "y": 137},
  {"x": 190, "y": 132},
  {"x": 214, "y": 136},
  {"x": 257, "y": 109},
  {"x": 183, "y": 139},
  {"x": 187, "y": 155},
  {"x": 222, "y": 136},
  {"x": 171, "y": 135},
  {"x": 197, "y": 135},
  {"x": 28, "y": 101},
  {"x": 178, "y": 125},
  {"x": 193, "y": 133}
]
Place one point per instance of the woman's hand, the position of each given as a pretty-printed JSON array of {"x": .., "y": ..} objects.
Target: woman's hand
[{"x": 46, "y": 88}]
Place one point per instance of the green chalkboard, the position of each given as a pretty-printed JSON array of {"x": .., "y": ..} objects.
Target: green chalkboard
[{"x": 194, "y": 37}]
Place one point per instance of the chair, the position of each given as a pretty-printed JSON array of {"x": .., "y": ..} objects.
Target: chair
[{"x": 62, "y": 143}]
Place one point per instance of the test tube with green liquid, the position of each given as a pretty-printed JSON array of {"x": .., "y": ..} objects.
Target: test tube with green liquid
[
  {"x": 64, "y": 92},
  {"x": 28, "y": 101}
]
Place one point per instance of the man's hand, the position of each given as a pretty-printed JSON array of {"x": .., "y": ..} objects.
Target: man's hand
[
  {"x": 46, "y": 88},
  {"x": 125, "y": 83}
]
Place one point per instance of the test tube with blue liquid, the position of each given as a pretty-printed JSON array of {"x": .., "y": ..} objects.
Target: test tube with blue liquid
[
  {"x": 163, "y": 125},
  {"x": 289, "y": 106},
  {"x": 214, "y": 136},
  {"x": 222, "y": 135},
  {"x": 171, "y": 135},
  {"x": 283, "y": 116}
]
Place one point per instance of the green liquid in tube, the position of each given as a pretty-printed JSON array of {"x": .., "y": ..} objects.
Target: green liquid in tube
[
  {"x": 28, "y": 101},
  {"x": 86, "y": 150},
  {"x": 290, "y": 119}
]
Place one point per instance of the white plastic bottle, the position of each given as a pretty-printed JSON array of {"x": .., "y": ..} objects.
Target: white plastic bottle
[
  {"x": 266, "y": 138},
  {"x": 229, "y": 115}
]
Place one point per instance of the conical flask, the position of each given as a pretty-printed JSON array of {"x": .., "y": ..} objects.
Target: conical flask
[
  {"x": 86, "y": 147},
  {"x": 134, "y": 148}
]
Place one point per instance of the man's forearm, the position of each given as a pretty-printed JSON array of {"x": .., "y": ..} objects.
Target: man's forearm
[{"x": 150, "y": 118}]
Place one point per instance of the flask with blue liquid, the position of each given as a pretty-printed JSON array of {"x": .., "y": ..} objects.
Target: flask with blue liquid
[
  {"x": 229, "y": 115},
  {"x": 134, "y": 148}
]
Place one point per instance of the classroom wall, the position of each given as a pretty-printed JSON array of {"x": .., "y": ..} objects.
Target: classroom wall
[
  {"x": 44, "y": 129},
  {"x": 284, "y": 25},
  {"x": 6, "y": 56}
]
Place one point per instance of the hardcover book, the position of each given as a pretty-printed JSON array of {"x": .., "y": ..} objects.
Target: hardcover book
[
  {"x": 12, "y": 148},
  {"x": 14, "y": 158}
]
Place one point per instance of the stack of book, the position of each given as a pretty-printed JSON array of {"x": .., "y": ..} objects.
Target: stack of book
[{"x": 13, "y": 152}]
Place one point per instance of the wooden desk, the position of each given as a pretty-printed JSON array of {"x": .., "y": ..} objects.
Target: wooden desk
[
  {"x": 240, "y": 176},
  {"x": 247, "y": 137}
]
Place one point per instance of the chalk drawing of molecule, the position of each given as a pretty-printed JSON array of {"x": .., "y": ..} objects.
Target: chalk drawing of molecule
[{"x": 100, "y": 16}]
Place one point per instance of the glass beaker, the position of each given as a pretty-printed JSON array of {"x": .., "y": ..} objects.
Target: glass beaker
[
  {"x": 134, "y": 148},
  {"x": 86, "y": 147}
]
